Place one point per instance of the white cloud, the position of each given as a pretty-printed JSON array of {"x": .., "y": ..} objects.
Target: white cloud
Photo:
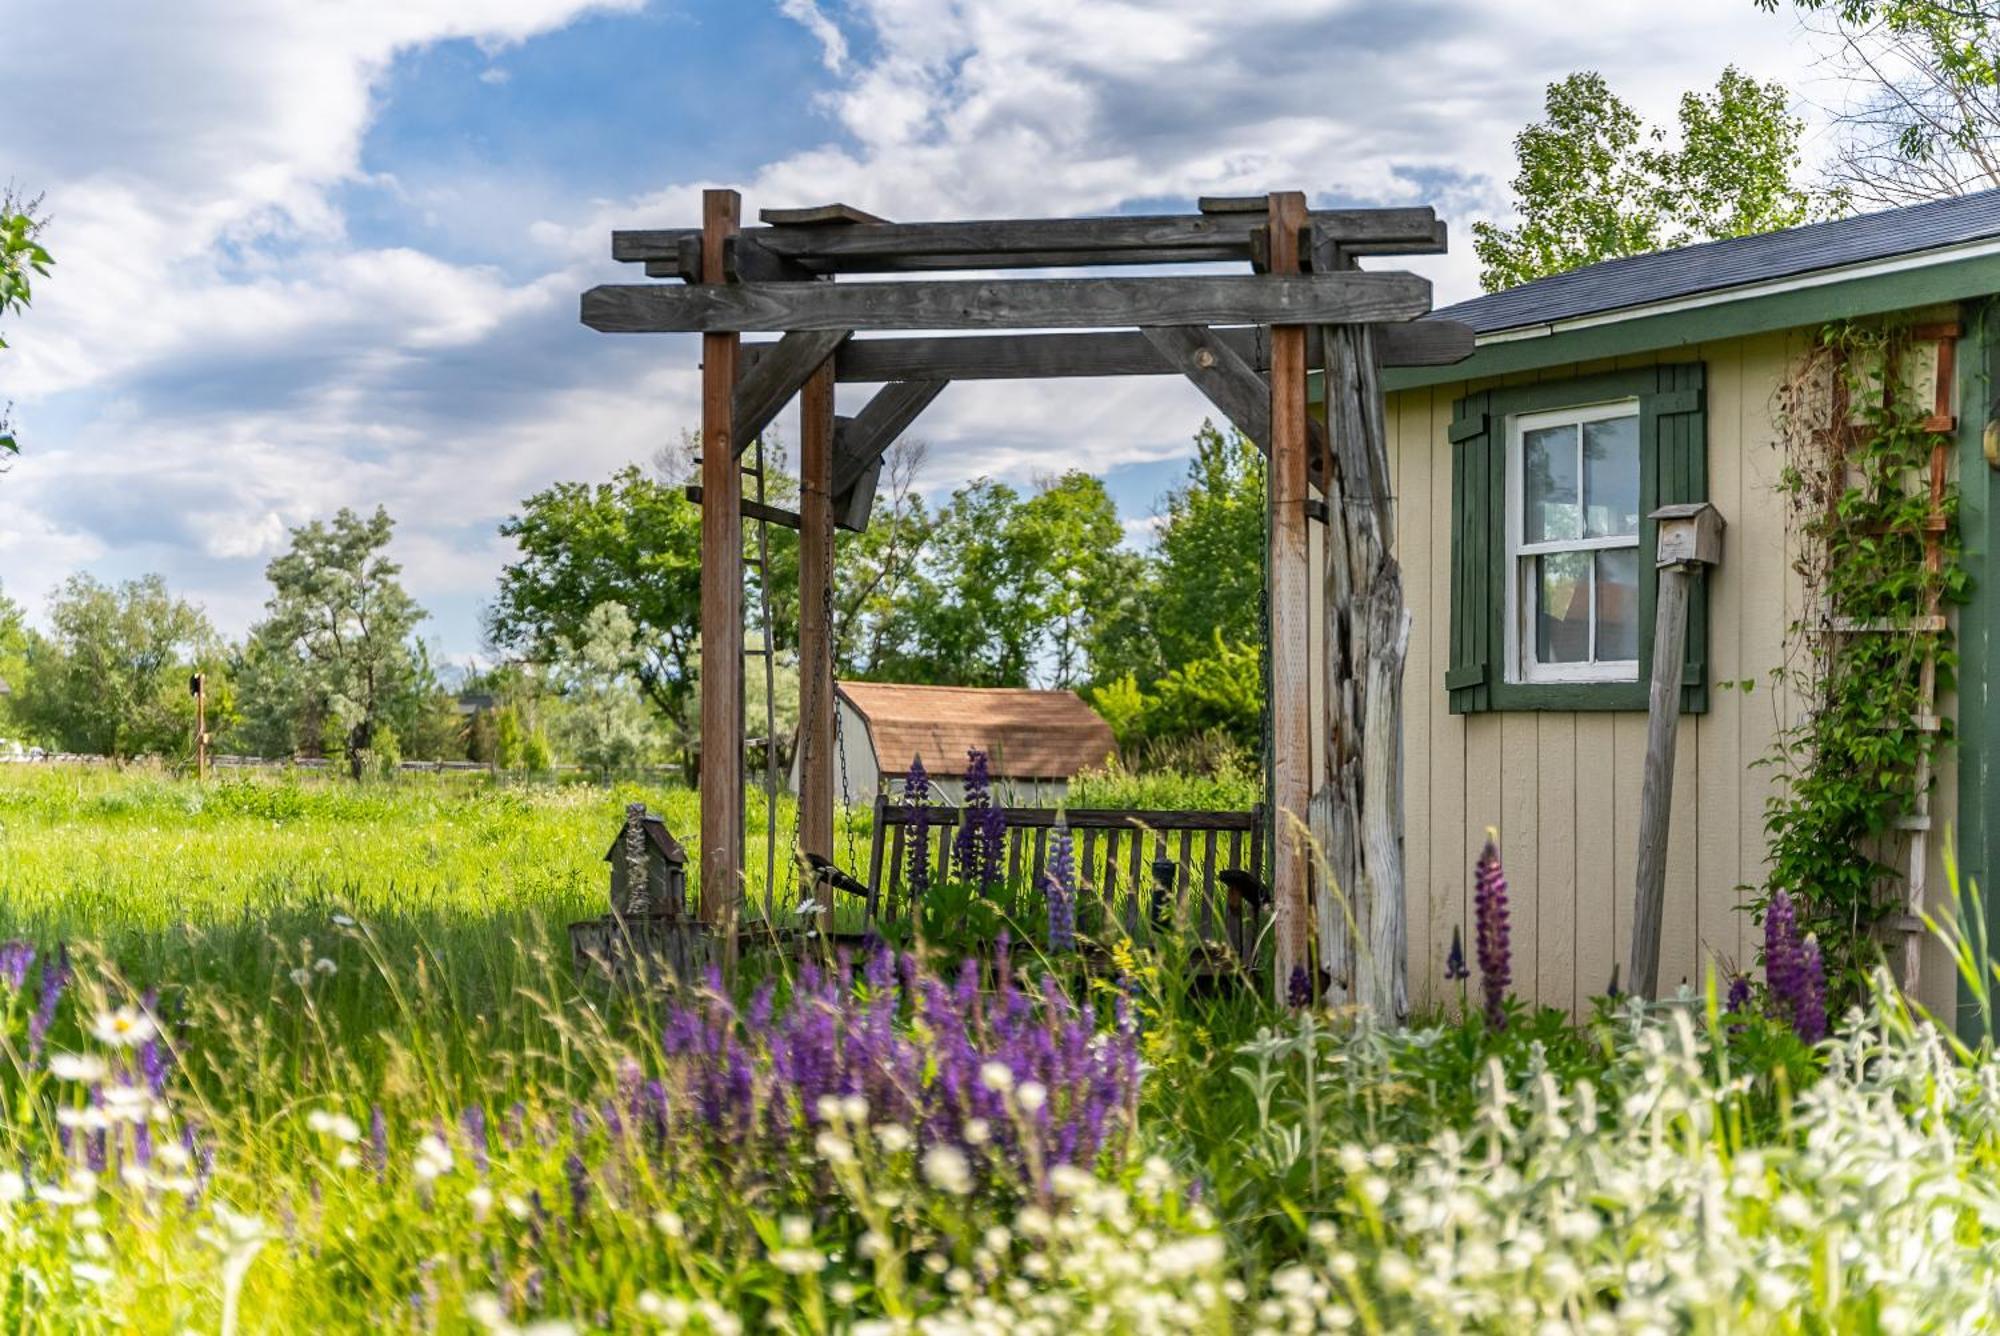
[{"x": 219, "y": 357}]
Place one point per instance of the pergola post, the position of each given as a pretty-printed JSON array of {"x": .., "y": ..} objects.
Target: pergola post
[
  {"x": 721, "y": 598},
  {"x": 816, "y": 703},
  {"x": 1290, "y": 620}
]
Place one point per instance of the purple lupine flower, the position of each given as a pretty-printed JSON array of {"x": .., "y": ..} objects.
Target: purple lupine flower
[
  {"x": 1299, "y": 989},
  {"x": 1793, "y": 971},
  {"x": 378, "y": 1142},
  {"x": 1454, "y": 960},
  {"x": 1059, "y": 887},
  {"x": 1738, "y": 1001},
  {"x": 1490, "y": 921},
  {"x": 15, "y": 960},
  {"x": 916, "y": 796},
  {"x": 142, "y": 1143},
  {"x": 473, "y": 1123},
  {"x": 578, "y": 1175},
  {"x": 1811, "y": 1021},
  {"x": 55, "y": 977},
  {"x": 968, "y": 846}
]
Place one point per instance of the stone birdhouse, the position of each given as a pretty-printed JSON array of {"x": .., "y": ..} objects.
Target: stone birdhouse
[{"x": 648, "y": 868}]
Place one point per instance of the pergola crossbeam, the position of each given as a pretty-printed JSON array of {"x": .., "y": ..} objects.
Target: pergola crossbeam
[
  {"x": 1111, "y": 352},
  {"x": 1027, "y": 303},
  {"x": 1044, "y": 242}
]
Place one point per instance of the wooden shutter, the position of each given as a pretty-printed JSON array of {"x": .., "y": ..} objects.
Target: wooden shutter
[
  {"x": 1475, "y": 483},
  {"x": 1677, "y": 415}
]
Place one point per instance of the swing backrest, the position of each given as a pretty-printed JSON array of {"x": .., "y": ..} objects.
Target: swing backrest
[{"x": 1114, "y": 851}]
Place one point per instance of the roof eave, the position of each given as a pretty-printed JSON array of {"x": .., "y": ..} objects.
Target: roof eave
[{"x": 1921, "y": 278}]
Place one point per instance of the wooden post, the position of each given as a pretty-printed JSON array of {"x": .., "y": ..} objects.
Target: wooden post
[
  {"x": 198, "y": 687},
  {"x": 1290, "y": 618},
  {"x": 816, "y": 702},
  {"x": 721, "y": 599},
  {"x": 1690, "y": 536}
]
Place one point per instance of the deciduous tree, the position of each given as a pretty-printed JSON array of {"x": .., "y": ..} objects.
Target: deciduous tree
[{"x": 1596, "y": 183}]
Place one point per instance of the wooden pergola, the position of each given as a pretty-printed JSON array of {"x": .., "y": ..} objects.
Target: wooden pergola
[{"x": 1246, "y": 340}]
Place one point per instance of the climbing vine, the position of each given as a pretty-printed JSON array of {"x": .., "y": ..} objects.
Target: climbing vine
[{"x": 1873, "y": 522}]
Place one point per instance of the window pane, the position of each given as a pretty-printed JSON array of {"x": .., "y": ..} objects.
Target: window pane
[
  {"x": 1562, "y": 607},
  {"x": 1618, "y": 604},
  {"x": 1611, "y": 477},
  {"x": 1548, "y": 485}
]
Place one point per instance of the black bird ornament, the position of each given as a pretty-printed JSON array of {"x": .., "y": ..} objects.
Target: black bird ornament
[
  {"x": 1244, "y": 888},
  {"x": 824, "y": 871}
]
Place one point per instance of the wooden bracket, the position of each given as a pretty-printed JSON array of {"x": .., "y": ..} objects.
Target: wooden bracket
[{"x": 774, "y": 378}]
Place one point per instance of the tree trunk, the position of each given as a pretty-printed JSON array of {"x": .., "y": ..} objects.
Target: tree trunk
[{"x": 1357, "y": 808}]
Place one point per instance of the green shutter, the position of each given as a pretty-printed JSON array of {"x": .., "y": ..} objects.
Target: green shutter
[
  {"x": 1678, "y": 414},
  {"x": 1474, "y": 659}
]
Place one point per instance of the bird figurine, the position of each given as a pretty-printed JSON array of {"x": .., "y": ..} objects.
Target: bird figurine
[
  {"x": 1166, "y": 872},
  {"x": 1244, "y": 888},
  {"x": 823, "y": 870}
]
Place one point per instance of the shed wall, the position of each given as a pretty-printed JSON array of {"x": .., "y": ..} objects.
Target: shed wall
[{"x": 1563, "y": 788}]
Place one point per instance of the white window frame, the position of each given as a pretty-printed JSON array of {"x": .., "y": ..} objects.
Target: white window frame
[{"x": 1522, "y": 665}]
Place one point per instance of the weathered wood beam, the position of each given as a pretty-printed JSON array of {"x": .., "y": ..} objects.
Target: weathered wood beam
[
  {"x": 859, "y": 441},
  {"x": 770, "y": 381},
  {"x": 949, "y": 263},
  {"x": 721, "y": 887},
  {"x": 1219, "y": 372},
  {"x": 1045, "y": 242},
  {"x": 1289, "y": 620},
  {"x": 1327, "y": 247},
  {"x": 816, "y": 759},
  {"x": 751, "y": 510},
  {"x": 1112, "y": 352},
  {"x": 1293, "y": 299}
]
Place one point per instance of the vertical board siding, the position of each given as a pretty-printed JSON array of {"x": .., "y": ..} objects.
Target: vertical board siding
[{"x": 1563, "y": 788}]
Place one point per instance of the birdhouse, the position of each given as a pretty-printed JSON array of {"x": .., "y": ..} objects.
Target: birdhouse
[
  {"x": 648, "y": 868},
  {"x": 1689, "y": 532}
]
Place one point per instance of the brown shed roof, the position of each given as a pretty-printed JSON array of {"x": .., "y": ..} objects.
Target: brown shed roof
[{"x": 1026, "y": 734}]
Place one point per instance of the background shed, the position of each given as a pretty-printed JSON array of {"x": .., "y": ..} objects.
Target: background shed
[{"x": 1036, "y": 741}]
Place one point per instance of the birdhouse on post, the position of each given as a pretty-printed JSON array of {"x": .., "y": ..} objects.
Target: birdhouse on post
[
  {"x": 648, "y": 868},
  {"x": 1689, "y": 539}
]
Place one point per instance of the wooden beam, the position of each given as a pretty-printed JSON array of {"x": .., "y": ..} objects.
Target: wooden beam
[
  {"x": 751, "y": 510},
  {"x": 1220, "y": 373},
  {"x": 1289, "y": 622},
  {"x": 816, "y": 703},
  {"x": 818, "y": 215},
  {"x": 1330, "y": 250},
  {"x": 861, "y": 439},
  {"x": 1114, "y": 352},
  {"x": 721, "y": 886},
  {"x": 1058, "y": 303},
  {"x": 770, "y": 381},
  {"x": 1045, "y": 242}
]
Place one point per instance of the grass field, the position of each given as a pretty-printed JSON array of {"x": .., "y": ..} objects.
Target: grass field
[{"x": 283, "y": 1054}]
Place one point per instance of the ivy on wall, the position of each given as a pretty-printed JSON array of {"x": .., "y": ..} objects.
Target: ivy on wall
[{"x": 1873, "y": 526}]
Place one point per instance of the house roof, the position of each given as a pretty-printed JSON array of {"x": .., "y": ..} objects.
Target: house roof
[
  {"x": 1026, "y": 734},
  {"x": 1714, "y": 266},
  {"x": 658, "y": 836}
]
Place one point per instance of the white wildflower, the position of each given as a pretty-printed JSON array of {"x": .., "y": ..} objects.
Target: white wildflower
[
  {"x": 947, "y": 1169},
  {"x": 87, "y": 1068},
  {"x": 127, "y": 1027},
  {"x": 302, "y": 977},
  {"x": 1032, "y": 1094},
  {"x": 433, "y": 1158},
  {"x": 997, "y": 1076},
  {"x": 325, "y": 966}
]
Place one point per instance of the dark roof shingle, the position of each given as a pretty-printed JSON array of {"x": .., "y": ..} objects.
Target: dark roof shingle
[{"x": 1686, "y": 271}]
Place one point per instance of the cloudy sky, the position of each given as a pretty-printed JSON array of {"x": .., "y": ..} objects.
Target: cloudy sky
[{"x": 315, "y": 253}]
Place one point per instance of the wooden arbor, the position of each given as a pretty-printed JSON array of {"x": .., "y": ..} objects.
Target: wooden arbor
[{"x": 1245, "y": 340}]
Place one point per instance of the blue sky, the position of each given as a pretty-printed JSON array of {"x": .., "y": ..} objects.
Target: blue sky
[{"x": 314, "y": 255}]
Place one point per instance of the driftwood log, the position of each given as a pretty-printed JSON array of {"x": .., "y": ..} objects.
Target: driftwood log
[{"x": 1356, "y": 814}]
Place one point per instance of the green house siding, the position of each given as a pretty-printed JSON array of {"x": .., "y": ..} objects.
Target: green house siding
[{"x": 1673, "y": 435}]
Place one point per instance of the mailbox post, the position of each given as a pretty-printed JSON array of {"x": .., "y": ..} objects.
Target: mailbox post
[{"x": 1689, "y": 538}]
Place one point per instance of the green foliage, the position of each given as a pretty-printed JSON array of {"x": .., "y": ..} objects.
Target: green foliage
[
  {"x": 1859, "y": 489},
  {"x": 335, "y": 652},
  {"x": 1594, "y": 183},
  {"x": 111, "y": 677},
  {"x": 507, "y": 738},
  {"x": 22, "y": 259},
  {"x": 605, "y": 726},
  {"x": 1211, "y": 551},
  {"x": 634, "y": 542},
  {"x": 1921, "y": 105}
]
